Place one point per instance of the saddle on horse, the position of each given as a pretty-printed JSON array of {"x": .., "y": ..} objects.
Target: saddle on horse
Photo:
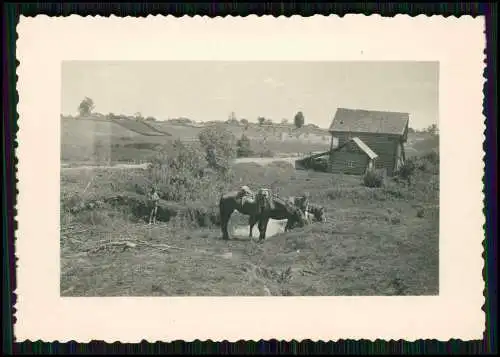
[{"x": 246, "y": 195}]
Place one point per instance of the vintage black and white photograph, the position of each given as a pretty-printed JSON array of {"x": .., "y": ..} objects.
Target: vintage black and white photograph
[
  {"x": 249, "y": 178},
  {"x": 182, "y": 178}
]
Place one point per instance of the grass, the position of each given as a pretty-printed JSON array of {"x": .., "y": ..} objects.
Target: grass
[
  {"x": 105, "y": 141},
  {"x": 376, "y": 241}
]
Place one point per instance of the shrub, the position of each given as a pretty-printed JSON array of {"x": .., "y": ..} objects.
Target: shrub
[
  {"x": 178, "y": 172},
  {"x": 373, "y": 179},
  {"x": 243, "y": 147},
  {"x": 219, "y": 145},
  {"x": 432, "y": 157},
  {"x": 428, "y": 163},
  {"x": 407, "y": 170}
]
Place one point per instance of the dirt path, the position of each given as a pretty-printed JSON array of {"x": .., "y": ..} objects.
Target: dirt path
[
  {"x": 256, "y": 160},
  {"x": 66, "y": 167},
  {"x": 273, "y": 227}
]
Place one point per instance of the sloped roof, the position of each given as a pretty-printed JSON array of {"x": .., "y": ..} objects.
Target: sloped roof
[
  {"x": 369, "y": 121},
  {"x": 366, "y": 149},
  {"x": 360, "y": 144}
]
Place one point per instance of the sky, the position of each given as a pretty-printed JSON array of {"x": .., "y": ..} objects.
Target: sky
[{"x": 211, "y": 90}]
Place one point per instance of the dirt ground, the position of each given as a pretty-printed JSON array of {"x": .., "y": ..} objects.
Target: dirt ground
[{"x": 381, "y": 241}]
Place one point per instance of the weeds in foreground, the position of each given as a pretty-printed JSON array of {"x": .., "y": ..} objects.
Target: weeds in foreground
[{"x": 373, "y": 179}]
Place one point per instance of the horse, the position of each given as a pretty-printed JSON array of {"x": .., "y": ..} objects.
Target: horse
[
  {"x": 302, "y": 202},
  {"x": 279, "y": 209},
  {"x": 259, "y": 208},
  {"x": 317, "y": 212},
  {"x": 313, "y": 212}
]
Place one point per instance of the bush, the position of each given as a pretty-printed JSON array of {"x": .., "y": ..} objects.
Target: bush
[
  {"x": 407, "y": 170},
  {"x": 373, "y": 179},
  {"x": 219, "y": 145},
  {"x": 428, "y": 163},
  {"x": 432, "y": 157},
  {"x": 243, "y": 147},
  {"x": 178, "y": 173}
]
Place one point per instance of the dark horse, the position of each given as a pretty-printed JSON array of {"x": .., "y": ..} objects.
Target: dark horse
[{"x": 260, "y": 209}]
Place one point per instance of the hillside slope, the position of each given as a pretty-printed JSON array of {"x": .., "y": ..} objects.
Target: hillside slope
[
  {"x": 140, "y": 127},
  {"x": 381, "y": 241}
]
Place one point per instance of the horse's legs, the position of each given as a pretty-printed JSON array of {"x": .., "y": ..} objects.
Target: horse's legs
[
  {"x": 225, "y": 215},
  {"x": 288, "y": 225},
  {"x": 263, "y": 227},
  {"x": 251, "y": 222}
]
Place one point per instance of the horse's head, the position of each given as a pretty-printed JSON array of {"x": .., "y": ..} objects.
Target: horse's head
[
  {"x": 298, "y": 217},
  {"x": 302, "y": 203},
  {"x": 264, "y": 200},
  {"x": 319, "y": 214}
]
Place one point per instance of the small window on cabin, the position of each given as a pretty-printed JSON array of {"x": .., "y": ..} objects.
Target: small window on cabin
[{"x": 350, "y": 164}]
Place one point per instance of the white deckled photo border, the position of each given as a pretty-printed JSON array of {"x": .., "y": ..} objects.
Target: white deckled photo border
[{"x": 457, "y": 43}]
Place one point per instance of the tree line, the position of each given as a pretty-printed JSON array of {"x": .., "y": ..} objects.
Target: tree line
[{"x": 87, "y": 106}]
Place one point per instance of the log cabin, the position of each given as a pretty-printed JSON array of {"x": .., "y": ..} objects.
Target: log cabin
[{"x": 367, "y": 137}]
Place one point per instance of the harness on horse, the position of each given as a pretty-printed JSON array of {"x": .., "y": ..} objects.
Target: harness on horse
[{"x": 246, "y": 195}]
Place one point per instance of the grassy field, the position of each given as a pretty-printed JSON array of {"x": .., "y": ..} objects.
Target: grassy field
[
  {"x": 376, "y": 241},
  {"x": 98, "y": 142},
  {"x": 91, "y": 141}
]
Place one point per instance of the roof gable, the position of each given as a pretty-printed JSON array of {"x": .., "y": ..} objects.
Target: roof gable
[
  {"x": 361, "y": 145},
  {"x": 369, "y": 121}
]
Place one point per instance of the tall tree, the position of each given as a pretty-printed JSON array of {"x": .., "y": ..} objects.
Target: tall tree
[
  {"x": 432, "y": 129},
  {"x": 86, "y": 106},
  {"x": 299, "y": 119}
]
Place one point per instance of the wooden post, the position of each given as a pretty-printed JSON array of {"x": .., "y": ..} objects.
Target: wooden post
[{"x": 330, "y": 158}]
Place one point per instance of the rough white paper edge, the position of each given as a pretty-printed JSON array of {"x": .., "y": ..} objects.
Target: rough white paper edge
[{"x": 457, "y": 43}]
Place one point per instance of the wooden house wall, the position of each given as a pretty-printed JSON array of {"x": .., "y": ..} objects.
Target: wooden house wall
[
  {"x": 339, "y": 162},
  {"x": 384, "y": 145}
]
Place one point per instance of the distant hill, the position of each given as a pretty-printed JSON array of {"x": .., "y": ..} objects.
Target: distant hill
[
  {"x": 140, "y": 127},
  {"x": 421, "y": 143},
  {"x": 98, "y": 138},
  {"x": 274, "y": 132}
]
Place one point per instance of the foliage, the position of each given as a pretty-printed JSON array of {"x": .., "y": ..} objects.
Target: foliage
[
  {"x": 178, "y": 172},
  {"x": 261, "y": 120},
  {"x": 428, "y": 162},
  {"x": 86, "y": 106},
  {"x": 243, "y": 147},
  {"x": 299, "y": 119},
  {"x": 373, "y": 179},
  {"x": 219, "y": 145},
  {"x": 432, "y": 129},
  {"x": 180, "y": 120},
  {"x": 244, "y": 121},
  {"x": 397, "y": 224},
  {"x": 232, "y": 119},
  {"x": 407, "y": 170}
]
